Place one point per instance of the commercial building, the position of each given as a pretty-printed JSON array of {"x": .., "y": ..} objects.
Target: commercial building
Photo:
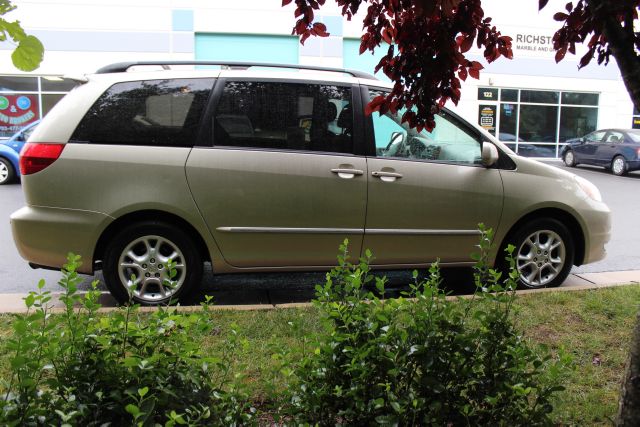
[{"x": 530, "y": 102}]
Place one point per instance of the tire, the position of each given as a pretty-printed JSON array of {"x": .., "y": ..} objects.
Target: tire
[
  {"x": 538, "y": 266},
  {"x": 569, "y": 159},
  {"x": 619, "y": 166},
  {"x": 142, "y": 250},
  {"x": 7, "y": 174}
]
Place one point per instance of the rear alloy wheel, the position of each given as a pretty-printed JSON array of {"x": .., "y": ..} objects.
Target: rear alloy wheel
[
  {"x": 619, "y": 165},
  {"x": 135, "y": 264},
  {"x": 6, "y": 171},
  {"x": 569, "y": 158},
  {"x": 544, "y": 253}
]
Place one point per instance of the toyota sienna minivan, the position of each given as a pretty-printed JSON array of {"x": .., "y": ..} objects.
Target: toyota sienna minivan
[{"x": 269, "y": 168}]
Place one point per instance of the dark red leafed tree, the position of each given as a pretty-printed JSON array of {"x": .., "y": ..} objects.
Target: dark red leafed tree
[
  {"x": 607, "y": 29},
  {"x": 425, "y": 43}
]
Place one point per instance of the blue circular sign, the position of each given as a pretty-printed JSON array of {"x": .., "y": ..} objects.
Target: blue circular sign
[{"x": 23, "y": 103}]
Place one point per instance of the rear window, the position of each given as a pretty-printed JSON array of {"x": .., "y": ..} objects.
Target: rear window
[
  {"x": 635, "y": 136},
  {"x": 150, "y": 112}
]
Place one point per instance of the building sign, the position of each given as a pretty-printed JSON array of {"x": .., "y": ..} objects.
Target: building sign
[
  {"x": 487, "y": 94},
  {"x": 487, "y": 118},
  {"x": 17, "y": 111},
  {"x": 533, "y": 44},
  {"x": 636, "y": 123}
]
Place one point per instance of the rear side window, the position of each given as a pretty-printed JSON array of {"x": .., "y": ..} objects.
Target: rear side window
[
  {"x": 150, "y": 112},
  {"x": 287, "y": 116}
]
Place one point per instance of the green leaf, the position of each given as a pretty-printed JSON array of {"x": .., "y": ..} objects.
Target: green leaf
[
  {"x": 29, "y": 54},
  {"x": 13, "y": 29},
  {"x": 396, "y": 406},
  {"x": 132, "y": 409}
]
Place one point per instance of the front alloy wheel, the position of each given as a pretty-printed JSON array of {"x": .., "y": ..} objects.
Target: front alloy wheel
[
  {"x": 540, "y": 258},
  {"x": 544, "y": 253}
]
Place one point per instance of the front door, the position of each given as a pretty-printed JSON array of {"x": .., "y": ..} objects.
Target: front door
[
  {"x": 428, "y": 192},
  {"x": 586, "y": 152},
  {"x": 281, "y": 185}
]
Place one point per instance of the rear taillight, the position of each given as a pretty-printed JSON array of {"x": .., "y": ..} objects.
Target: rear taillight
[
  {"x": 36, "y": 156},
  {"x": 638, "y": 153}
]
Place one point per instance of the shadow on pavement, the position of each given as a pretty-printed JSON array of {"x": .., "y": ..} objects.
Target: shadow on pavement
[{"x": 285, "y": 288}]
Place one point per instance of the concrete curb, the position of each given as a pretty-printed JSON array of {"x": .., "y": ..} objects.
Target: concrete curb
[{"x": 14, "y": 303}]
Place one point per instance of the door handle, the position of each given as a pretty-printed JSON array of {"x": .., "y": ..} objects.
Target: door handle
[
  {"x": 347, "y": 173},
  {"x": 386, "y": 176}
]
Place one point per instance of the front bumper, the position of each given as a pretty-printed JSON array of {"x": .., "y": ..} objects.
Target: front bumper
[
  {"x": 44, "y": 236},
  {"x": 597, "y": 229}
]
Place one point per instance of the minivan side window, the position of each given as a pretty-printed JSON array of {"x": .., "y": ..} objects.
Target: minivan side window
[
  {"x": 286, "y": 116},
  {"x": 448, "y": 142},
  {"x": 149, "y": 112}
]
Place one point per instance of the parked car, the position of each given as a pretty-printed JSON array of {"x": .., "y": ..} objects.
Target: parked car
[
  {"x": 615, "y": 149},
  {"x": 259, "y": 170},
  {"x": 10, "y": 153}
]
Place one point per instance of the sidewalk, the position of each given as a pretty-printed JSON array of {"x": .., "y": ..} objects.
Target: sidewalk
[{"x": 13, "y": 303}]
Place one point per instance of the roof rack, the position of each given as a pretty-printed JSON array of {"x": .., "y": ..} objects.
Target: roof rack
[{"x": 121, "y": 67}]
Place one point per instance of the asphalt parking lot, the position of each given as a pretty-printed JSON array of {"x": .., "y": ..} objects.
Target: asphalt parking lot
[{"x": 620, "y": 193}]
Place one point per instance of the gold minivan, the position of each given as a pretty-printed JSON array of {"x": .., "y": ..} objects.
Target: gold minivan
[{"x": 263, "y": 167}]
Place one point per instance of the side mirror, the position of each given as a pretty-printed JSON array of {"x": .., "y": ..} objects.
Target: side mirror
[
  {"x": 489, "y": 154},
  {"x": 20, "y": 138}
]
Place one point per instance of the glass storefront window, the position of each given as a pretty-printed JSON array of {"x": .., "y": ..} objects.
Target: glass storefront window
[
  {"x": 579, "y": 98},
  {"x": 57, "y": 84},
  {"x": 508, "y": 122},
  {"x": 18, "y": 84},
  {"x": 509, "y": 95},
  {"x": 17, "y": 110},
  {"x": 25, "y": 99},
  {"x": 539, "y": 96},
  {"x": 534, "y": 150},
  {"x": 49, "y": 100},
  {"x": 577, "y": 121},
  {"x": 534, "y": 129},
  {"x": 538, "y": 123}
]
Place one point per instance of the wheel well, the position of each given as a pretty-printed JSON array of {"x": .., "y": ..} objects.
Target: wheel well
[
  {"x": 147, "y": 215},
  {"x": 7, "y": 159},
  {"x": 564, "y": 217}
]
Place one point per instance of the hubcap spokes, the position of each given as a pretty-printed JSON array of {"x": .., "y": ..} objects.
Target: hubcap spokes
[
  {"x": 569, "y": 158},
  {"x": 540, "y": 258},
  {"x": 4, "y": 172},
  {"x": 143, "y": 267},
  {"x": 618, "y": 166}
]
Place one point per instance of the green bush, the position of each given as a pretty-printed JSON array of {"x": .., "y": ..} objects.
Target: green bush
[
  {"x": 421, "y": 359},
  {"x": 121, "y": 368},
  {"x": 425, "y": 361}
]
